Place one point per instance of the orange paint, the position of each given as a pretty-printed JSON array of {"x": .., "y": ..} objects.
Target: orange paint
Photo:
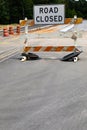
[
  {"x": 37, "y": 48},
  {"x": 70, "y": 48}
]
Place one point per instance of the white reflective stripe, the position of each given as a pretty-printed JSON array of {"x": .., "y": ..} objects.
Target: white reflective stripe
[
  {"x": 43, "y": 48},
  {"x": 67, "y": 28}
]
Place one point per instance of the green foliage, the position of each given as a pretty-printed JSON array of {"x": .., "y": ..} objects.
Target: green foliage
[
  {"x": 28, "y": 8},
  {"x": 70, "y": 13},
  {"x": 4, "y": 12},
  {"x": 11, "y": 11}
]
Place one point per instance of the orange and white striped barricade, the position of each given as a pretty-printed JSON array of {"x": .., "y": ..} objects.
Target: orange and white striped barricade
[
  {"x": 27, "y": 49},
  {"x": 27, "y": 55}
]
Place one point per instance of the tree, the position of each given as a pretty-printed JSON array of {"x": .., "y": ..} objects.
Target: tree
[
  {"x": 11, "y": 11},
  {"x": 28, "y": 8},
  {"x": 4, "y": 12},
  {"x": 41, "y": 2},
  {"x": 15, "y": 11}
]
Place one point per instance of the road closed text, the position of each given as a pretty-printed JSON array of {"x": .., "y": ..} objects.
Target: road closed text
[
  {"x": 50, "y": 19},
  {"x": 49, "y": 14}
]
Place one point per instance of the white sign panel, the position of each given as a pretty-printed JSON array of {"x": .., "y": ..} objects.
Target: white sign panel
[{"x": 49, "y": 14}]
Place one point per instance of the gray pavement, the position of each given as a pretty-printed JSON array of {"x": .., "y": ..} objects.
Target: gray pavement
[{"x": 45, "y": 94}]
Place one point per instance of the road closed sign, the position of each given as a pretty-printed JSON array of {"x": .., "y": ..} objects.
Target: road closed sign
[{"x": 49, "y": 14}]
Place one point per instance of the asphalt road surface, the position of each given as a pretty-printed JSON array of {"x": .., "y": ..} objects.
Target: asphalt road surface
[{"x": 45, "y": 94}]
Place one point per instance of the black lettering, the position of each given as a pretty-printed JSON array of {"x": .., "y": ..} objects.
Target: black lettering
[
  {"x": 41, "y": 19},
  {"x": 37, "y": 19},
  {"x": 41, "y": 10},
  {"x": 55, "y": 18},
  {"x": 60, "y": 18},
  {"x": 51, "y": 10},
  {"x": 55, "y": 10},
  {"x": 46, "y": 10},
  {"x": 51, "y": 18},
  {"x": 46, "y": 18}
]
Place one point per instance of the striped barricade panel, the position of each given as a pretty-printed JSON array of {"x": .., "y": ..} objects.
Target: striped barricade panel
[{"x": 48, "y": 48}]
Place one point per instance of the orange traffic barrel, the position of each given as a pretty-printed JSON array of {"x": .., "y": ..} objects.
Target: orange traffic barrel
[
  {"x": 18, "y": 29},
  {"x": 5, "y": 32},
  {"x": 11, "y": 31}
]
